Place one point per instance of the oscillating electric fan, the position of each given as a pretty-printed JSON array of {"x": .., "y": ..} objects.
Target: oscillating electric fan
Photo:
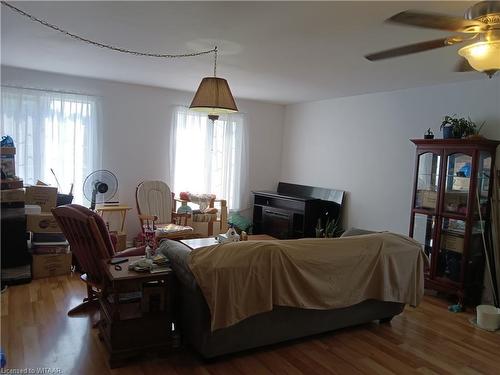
[{"x": 100, "y": 186}]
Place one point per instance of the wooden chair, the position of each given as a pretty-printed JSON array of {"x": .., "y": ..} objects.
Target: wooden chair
[
  {"x": 90, "y": 243},
  {"x": 154, "y": 204}
]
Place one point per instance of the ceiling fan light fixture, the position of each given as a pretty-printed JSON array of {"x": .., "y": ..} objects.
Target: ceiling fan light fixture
[{"x": 483, "y": 56}]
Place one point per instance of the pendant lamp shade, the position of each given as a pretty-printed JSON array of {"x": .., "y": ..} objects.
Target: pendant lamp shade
[{"x": 214, "y": 96}]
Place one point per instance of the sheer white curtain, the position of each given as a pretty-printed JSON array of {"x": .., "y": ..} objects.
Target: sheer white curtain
[
  {"x": 210, "y": 157},
  {"x": 53, "y": 130}
]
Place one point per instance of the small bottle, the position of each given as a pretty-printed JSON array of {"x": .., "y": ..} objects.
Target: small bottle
[{"x": 149, "y": 252}]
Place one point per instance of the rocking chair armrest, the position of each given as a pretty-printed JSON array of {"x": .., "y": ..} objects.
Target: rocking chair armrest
[{"x": 222, "y": 202}]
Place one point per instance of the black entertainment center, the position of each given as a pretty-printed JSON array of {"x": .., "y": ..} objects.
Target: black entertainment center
[{"x": 293, "y": 210}]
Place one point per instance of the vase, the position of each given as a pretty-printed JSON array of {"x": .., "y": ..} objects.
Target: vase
[
  {"x": 184, "y": 209},
  {"x": 448, "y": 132}
]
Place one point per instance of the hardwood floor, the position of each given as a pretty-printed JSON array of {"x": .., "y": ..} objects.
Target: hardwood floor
[{"x": 37, "y": 333}]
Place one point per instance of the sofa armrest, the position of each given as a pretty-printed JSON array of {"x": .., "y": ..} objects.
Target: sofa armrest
[{"x": 179, "y": 254}]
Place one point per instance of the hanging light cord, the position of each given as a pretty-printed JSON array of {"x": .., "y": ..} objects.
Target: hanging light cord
[
  {"x": 107, "y": 46},
  {"x": 215, "y": 61}
]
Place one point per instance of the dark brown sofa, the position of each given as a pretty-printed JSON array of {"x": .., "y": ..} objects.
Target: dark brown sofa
[{"x": 281, "y": 324}]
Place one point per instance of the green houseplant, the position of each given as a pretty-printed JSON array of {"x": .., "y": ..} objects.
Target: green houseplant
[
  {"x": 454, "y": 127},
  {"x": 333, "y": 228}
]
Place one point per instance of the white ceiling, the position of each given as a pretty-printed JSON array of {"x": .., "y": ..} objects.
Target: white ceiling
[{"x": 281, "y": 52}]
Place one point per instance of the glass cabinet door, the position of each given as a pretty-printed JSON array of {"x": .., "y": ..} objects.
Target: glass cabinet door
[
  {"x": 458, "y": 173},
  {"x": 483, "y": 182},
  {"x": 427, "y": 181},
  {"x": 423, "y": 232},
  {"x": 451, "y": 249}
]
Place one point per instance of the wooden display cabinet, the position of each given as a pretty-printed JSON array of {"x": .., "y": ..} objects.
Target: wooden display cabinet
[{"x": 451, "y": 210}]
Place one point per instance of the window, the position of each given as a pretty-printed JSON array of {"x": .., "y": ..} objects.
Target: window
[
  {"x": 52, "y": 131},
  {"x": 210, "y": 157}
]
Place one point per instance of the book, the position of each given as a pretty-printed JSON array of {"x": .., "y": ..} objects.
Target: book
[{"x": 45, "y": 238}]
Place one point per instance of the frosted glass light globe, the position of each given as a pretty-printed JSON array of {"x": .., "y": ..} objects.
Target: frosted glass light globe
[{"x": 482, "y": 56}]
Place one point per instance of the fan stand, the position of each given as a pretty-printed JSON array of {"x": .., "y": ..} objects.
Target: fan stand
[
  {"x": 94, "y": 198},
  {"x": 99, "y": 187}
]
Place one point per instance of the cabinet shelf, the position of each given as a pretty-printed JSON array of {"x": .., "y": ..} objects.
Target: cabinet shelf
[
  {"x": 424, "y": 211},
  {"x": 453, "y": 215}
]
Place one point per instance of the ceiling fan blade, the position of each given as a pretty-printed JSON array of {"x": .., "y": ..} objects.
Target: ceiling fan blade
[
  {"x": 463, "y": 66},
  {"x": 438, "y": 21},
  {"x": 409, "y": 49}
]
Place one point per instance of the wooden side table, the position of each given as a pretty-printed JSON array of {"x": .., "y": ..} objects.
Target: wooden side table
[
  {"x": 122, "y": 210},
  {"x": 121, "y": 236},
  {"x": 136, "y": 312}
]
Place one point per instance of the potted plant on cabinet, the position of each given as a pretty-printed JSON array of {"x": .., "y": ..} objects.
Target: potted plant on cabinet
[{"x": 454, "y": 127}]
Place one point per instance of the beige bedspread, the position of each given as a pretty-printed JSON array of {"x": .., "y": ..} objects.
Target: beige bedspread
[{"x": 242, "y": 279}]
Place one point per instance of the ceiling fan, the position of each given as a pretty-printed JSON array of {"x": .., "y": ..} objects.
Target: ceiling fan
[{"x": 480, "y": 29}]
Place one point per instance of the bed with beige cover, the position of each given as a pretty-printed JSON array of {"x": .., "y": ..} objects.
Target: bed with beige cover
[{"x": 242, "y": 295}]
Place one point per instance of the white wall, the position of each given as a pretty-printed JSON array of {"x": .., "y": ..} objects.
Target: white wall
[
  {"x": 136, "y": 130},
  {"x": 361, "y": 144},
  {"x": 358, "y": 144}
]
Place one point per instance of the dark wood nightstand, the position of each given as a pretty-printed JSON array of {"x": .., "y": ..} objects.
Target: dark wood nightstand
[{"x": 136, "y": 312}]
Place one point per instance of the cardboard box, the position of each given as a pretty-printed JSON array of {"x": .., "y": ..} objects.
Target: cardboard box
[
  {"x": 43, "y": 196},
  {"x": 11, "y": 183},
  {"x": 42, "y": 223},
  {"x": 49, "y": 249},
  {"x": 51, "y": 265},
  {"x": 13, "y": 195},
  {"x": 452, "y": 242}
]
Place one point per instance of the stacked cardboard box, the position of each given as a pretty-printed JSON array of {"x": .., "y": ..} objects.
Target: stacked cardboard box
[
  {"x": 51, "y": 254},
  {"x": 43, "y": 196}
]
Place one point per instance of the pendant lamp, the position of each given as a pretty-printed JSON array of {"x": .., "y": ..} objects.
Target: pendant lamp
[{"x": 214, "y": 96}]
